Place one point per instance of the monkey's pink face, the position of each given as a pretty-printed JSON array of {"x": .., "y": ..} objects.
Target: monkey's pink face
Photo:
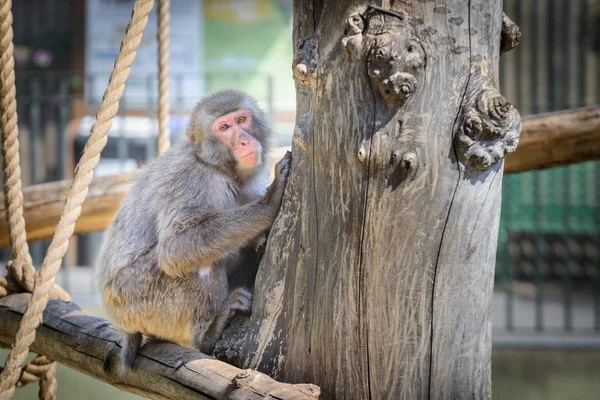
[{"x": 234, "y": 129}]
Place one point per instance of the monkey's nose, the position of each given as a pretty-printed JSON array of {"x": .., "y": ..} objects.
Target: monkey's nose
[{"x": 243, "y": 140}]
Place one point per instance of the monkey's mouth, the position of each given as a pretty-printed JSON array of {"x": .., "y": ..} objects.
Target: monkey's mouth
[{"x": 249, "y": 154}]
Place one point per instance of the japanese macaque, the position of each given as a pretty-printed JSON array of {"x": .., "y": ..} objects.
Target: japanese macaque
[{"x": 185, "y": 224}]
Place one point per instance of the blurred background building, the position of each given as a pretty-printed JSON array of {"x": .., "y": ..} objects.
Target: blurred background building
[{"x": 546, "y": 332}]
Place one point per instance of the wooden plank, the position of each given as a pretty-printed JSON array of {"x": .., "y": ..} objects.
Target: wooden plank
[
  {"x": 557, "y": 139},
  {"x": 162, "y": 370}
]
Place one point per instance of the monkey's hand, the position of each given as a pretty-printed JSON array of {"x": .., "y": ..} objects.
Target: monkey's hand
[{"x": 275, "y": 191}]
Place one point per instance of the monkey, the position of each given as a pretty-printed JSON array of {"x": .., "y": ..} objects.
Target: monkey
[{"x": 162, "y": 271}]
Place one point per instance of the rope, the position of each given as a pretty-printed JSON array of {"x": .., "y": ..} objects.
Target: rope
[
  {"x": 21, "y": 277},
  {"x": 8, "y": 285},
  {"x": 164, "y": 136},
  {"x": 13, "y": 197},
  {"x": 35, "y": 370},
  {"x": 84, "y": 173},
  {"x": 48, "y": 384}
]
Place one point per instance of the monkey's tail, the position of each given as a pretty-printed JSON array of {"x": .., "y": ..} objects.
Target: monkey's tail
[{"x": 120, "y": 359}]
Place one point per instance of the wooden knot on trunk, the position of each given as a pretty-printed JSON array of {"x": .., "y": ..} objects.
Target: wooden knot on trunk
[
  {"x": 364, "y": 151},
  {"x": 305, "y": 61},
  {"x": 490, "y": 127},
  {"x": 300, "y": 136},
  {"x": 353, "y": 35},
  {"x": 510, "y": 36},
  {"x": 402, "y": 165},
  {"x": 395, "y": 57}
]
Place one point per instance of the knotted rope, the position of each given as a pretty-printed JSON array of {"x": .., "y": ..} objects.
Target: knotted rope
[
  {"x": 164, "y": 135},
  {"x": 84, "y": 173},
  {"x": 35, "y": 371},
  {"x": 21, "y": 278}
]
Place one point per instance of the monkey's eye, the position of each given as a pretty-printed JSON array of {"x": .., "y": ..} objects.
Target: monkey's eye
[
  {"x": 241, "y": 119},
  {"x": 223, "y": 127}
]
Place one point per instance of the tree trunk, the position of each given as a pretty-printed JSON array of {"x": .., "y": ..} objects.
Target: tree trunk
[{"x": 377, "y": 278}]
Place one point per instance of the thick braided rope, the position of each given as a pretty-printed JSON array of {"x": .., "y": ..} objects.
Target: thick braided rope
[
  {"x": 13, "y": 196},
  {"x": 23, "y": 276},
  {"x": 48, "y": 384},
  {"x": 10, "y": 139},
  {"x": 8, "y": 285},
  {"x": 35, "y": 370},
  {"x": 164, "y": 135},
  {"x": 79, "y": 188}
]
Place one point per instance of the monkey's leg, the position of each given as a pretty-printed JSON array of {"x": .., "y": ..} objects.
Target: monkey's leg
[
  {"x": 205, "y": 339},
  {"x": 131, "y": 344}
]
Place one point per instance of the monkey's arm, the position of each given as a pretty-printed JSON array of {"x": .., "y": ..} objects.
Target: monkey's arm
[{"x": 193, "y": 238}]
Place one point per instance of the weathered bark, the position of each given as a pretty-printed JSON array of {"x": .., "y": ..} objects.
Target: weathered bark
[
  {"x": 162, "y": 370},
  {"x": 377, "y": 278}
]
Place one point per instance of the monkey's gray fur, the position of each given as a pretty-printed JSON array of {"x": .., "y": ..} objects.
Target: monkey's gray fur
[{"x": 162, "y": 270}]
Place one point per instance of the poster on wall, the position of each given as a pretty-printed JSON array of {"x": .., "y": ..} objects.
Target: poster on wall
[{"x": 106, "y": 21}]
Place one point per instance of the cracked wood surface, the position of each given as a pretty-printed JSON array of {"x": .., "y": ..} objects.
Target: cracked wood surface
[{"x": 162, "y": 370}]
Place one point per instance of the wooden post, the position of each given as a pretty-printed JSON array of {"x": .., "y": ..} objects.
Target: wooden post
[{"x": 377, "y": 278}]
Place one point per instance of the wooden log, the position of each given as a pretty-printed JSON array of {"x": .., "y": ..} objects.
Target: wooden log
[
  {"x": 162, "y": 370},
  {"x": 43, "y": 204},
  {"x": 557, "y": 139}
]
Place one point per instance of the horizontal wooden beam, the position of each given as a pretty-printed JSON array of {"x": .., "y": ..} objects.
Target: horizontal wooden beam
[
  {"x": 557, "y": 139},
  {"x": 43, "y": 204},
  {"x": 547, "y": 140},
  {"x": 161, "y": 371}
]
